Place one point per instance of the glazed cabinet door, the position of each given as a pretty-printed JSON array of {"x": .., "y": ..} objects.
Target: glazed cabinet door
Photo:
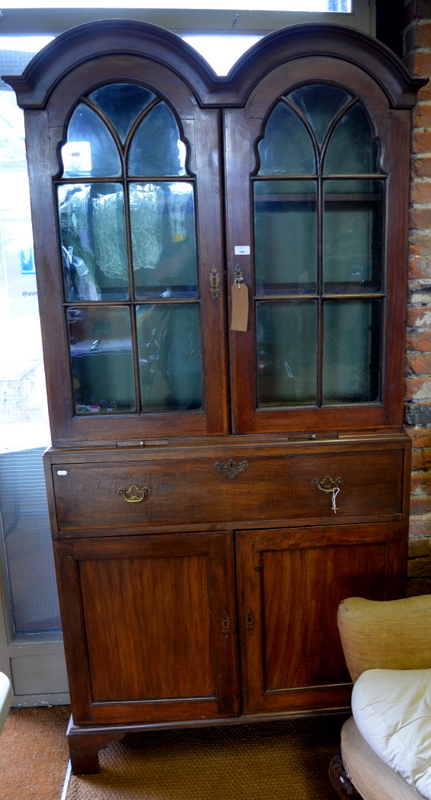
[
  {"x": 312, "y": 170},
  {"x": 290, "y": 585},
  {"x": 149, "y": 627},
  {"x": 126, "y": 200}
]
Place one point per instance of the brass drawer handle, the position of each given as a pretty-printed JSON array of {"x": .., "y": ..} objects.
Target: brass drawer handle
[
  {"x": 231, "y": 469},
  {"x": 133, "y": 494},
  {"x": 330, "y": 486}
]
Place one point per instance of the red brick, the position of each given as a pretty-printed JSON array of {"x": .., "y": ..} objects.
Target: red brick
[
  {"x": 420, "y": 244},
  {"x": 420, "y": 505},
  {"x": 424, "y": 94},
  {"x": 418, "y": 389},
  {"x": 421, "y": 484},
  {"x": 422, "y": 9},
  {"x": 418, "y": 318},
  {"x": 422, "y": 116},
  {"x": 419, "y": 528},
  {"x": 419, "y": 268},
  {"x": 422, "y": 64},
  {"x": 421, "y": 437},
  {"x": 419, "y": 340},
  {"x": 420, "y": 218},
  {"x": 422, "y": 141},
  {"x": 421, "y": 192},
  {"x": 421, "y": 167},
  {"x": 419, "y": 363},
  {"x": 421, "y": 459},
  {"x": 423, "y": 35}
]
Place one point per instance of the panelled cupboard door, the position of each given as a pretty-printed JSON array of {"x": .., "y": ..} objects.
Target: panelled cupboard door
[
  {"x": 316, "y": 236},
  {"x": 290, "y": 585},
  {"x": 149, "y": 627},
  {"x": 126, "y": 200}
]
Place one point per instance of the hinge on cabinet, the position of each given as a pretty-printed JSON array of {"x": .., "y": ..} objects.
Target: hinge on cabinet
[{"x": 225, "y": 623}]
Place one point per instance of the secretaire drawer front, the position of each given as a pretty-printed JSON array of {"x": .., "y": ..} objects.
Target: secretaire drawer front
[{"x": 216, "y": 490}]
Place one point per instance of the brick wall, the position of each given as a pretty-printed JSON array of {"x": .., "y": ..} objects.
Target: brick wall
[{"x": 416, "y": 37}]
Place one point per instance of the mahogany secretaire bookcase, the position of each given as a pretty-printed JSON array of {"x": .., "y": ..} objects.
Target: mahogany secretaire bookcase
[{"x": 221, "y": 271}]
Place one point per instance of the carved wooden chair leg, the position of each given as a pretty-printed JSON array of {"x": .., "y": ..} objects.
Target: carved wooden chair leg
[{"x": 340, "y": 781}]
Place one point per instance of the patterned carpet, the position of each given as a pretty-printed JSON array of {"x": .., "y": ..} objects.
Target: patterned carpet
[{"x": 280, "y": 760}]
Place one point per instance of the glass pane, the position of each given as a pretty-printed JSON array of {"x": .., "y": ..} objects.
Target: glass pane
[
  {"x": 352, "y": 237},
  {"x": 122, "y": 102},
  {"x": 169, "y": 357},
  {"x": 286, "y": 353},
  {"x": 163, "y": 239},
  {"x": 352, "y": 149},
  {"x": 156, "y": 147},
  {"x": 101, "y": 355},
  {"x": 93, "y": 241},
  {"x": 286, "y": 148},
  {"x": 351, "y": 351},
  {"x": 320, "y": 104},
  {"x": 24, "y": 522},
  {"x": 25, "y": 535},
  {"x": 285, "y": 237},
  {"x": 90, "y": 149}
]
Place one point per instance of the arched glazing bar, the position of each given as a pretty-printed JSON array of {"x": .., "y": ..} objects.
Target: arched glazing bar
[
  {"x": 126, "y": 206},
  {"x": 318, "y": 227}
]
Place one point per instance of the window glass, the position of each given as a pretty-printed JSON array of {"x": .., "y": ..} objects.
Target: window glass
[
  {"x": 93, "y": 241},
  {"x": 163, "y": 239},
  {"x": 156, "y": 147},
  {"x": 286, "y": 148},
  {"x": 169, "y": 357},
  {"x": 101, "y": 357},
  {"x": 122, "y": 103},
  {"x": 90, "y": 149},
  {"x": 320, "y": 105},
  {"x": 285, "y": 237},
  {"x": 352, "y": 148}
]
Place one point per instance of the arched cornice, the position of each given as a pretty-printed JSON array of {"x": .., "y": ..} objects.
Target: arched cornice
[{"x": 134, "y": 38}]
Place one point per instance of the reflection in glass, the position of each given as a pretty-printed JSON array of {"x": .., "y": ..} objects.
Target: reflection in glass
[
  {"x": 122, "y": 102},
  {"x": 156, "y": 148},
  {"x": 101, "y": 357},
  {"x": 285, "y": 237},
  {"x": 352, "y": 149},
  {"x": 352, "y": 237},
  {"x": 93, "y": 241},
  {"x": 169, "y": 357},
  {"x": 320, "y": 104},
  {"x": 90, "y": 149},
  {"x": 351, "y": 351},
  {"x": 163, "y": 239},
  {"x": 286, "y": 148},
  {"x": 286, "y": 353}
]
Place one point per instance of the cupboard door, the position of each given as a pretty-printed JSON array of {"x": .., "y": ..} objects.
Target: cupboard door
[
  {"x": 309, "y": 217},
  {"x": 290, "y": 586},
  {"x": 131, "y": 224},
  {"x": 149, "y": 627}
]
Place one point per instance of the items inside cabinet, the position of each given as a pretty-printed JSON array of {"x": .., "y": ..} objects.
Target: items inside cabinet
[{"x": 208, "y": 486}]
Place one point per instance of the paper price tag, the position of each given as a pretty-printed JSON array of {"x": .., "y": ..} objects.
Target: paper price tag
[{"x": 239, "y": 295}]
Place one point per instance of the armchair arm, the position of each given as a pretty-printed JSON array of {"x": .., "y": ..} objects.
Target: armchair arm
[{"x": 388, "y": 634}]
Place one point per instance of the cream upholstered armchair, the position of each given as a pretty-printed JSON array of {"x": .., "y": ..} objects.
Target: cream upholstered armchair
[
  {"x": 5, "y": 697},
  {"x": 386, "y": 744}
]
